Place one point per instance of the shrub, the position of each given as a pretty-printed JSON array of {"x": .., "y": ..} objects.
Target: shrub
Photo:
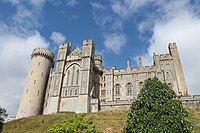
[
  {"x": 78, "y": 124},
  {"x": 157, "y": 110}
]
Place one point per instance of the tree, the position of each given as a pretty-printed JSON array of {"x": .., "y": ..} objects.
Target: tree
[
  {"x": 157, "y": 110},
  {"x": 3, "y": 115},
  {"x": 78, "y": 124}
]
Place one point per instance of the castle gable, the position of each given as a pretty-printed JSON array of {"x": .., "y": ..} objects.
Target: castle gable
[{"x": 76, "y": 52}]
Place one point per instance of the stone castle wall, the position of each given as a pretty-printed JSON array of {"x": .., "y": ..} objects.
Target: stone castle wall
[{"x": 81, "y": 84}]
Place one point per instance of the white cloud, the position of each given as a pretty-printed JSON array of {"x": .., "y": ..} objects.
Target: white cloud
[
  {"x": 179, "y": 24},
  {"x": 57, "y": 37},
  {"x": 126, "y": 8},
  {"x": 72, "y": 3},
  {"x": 15, "y": 58},
  {"x": 96, "y": 5},
  {"x": 18, "y": 38},
  {"x": 115, "y": 41}
]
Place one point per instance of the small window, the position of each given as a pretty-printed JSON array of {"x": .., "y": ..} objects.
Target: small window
[
  {"x": 34, "y": 81},
  {"x": 66, "y": 92},
  {"x": 38, "y": 92},
  {"x": 103, "y": 92},
  {"x": 70, "y": 93},
  {"x": 117, "y": 99},
  {"x": 168, "y": 75},
  {"x": 76, "y": 92},
  {"x": 104, "y": 84},
  {"x": 31, "y": 72},
  {"x": 38, "y": 64},
  {"x": 42, "y": 74},
  {"x": 26, "y": 91},
  {"x": 117, "y": 89}
]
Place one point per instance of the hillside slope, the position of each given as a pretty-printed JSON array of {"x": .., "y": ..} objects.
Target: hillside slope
[{"x": 107, "y": 122}]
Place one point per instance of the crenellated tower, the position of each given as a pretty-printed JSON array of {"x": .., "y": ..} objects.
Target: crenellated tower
[
  {"x": 33, "y": 94},
  {"x": 86, "y": 76},
  {"x": 178, "y": 69}
]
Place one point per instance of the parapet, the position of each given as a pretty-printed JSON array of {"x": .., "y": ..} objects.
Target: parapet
[
  {"x": 43, "y": 52},
  {"x": 65, "y": 45},
  {"x": 88, "y": 42},
  {"x": 172, "y": 45}
]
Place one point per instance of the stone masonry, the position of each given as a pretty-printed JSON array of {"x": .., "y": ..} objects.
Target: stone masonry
[{"x": 81, "y": 84}]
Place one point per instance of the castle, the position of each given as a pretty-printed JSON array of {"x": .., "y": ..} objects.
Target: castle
[{"x": 81, "y": 84}]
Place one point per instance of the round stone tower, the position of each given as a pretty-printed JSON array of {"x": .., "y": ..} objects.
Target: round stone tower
[{"x": 34, "y": 91}]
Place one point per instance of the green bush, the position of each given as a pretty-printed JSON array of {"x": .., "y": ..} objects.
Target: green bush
[
  {"x": 157, "y": 110},
  {"x": 78, "y": 124},
  {"x": 3, "y": 115}
]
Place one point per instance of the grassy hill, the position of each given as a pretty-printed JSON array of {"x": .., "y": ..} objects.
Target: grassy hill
[{"x": 107, "y": 122}]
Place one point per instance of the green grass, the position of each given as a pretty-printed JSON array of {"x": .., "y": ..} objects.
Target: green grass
[{"x": 107, "y": 122}]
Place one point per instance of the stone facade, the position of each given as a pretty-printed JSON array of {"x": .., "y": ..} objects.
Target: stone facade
[{"x": 81, "y": 84}]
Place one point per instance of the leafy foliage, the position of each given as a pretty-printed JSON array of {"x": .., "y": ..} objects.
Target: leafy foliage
[
  {"x": 78, "y": 124},
  {"x": 3, "y": 114},
  {"x": 157, "y": 110}
]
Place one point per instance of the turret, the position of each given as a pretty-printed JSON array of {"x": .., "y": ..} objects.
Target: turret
[
  {"x": 178, "y": 69},
  {"x": 98, "y": 64},
  {"x": 35, "y": 87},
  {"x": 128, "y": 65},
  {"x": 140, "y": 63},
  {"x": 86, "y": 80}
]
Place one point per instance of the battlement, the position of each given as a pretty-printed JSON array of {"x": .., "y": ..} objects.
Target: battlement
[
  {"x": 43, "y": 52},
  {"x": 172, "y": 45},
  {"x": 165, "y": 57},
  {"x": 88, "y": 42},
  {"x": 65, "y": 45}
]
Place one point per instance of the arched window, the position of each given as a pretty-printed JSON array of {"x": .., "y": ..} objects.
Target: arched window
[
  {"x": 168, "y": 76},
  {"x": 77, "y": 76},
  {"x": 68, "y": 75},
  {"x": 72, "y": 81},
  {"x": 129, "y": 89},
  {"x": 140, "y": 84},
  {"x": 117, "y": 89}
]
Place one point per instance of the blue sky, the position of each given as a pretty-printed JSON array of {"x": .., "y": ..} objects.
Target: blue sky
[{"x": 121, "y": 29}]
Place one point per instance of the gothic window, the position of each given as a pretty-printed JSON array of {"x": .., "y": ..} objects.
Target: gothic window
[
  {"x": 77, "y": 76},
  {"x": 140, "y": 84},
  {"x": 72, "y": 81},
  {"x": 117, "y": 89},
  {"x": 168, "y": 75},
  {"x": 68, "y": 75},
  {"x": 129, "y": 89}
]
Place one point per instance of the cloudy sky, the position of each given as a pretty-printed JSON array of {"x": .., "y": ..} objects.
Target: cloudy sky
[{"x": 121, "y": 29}]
